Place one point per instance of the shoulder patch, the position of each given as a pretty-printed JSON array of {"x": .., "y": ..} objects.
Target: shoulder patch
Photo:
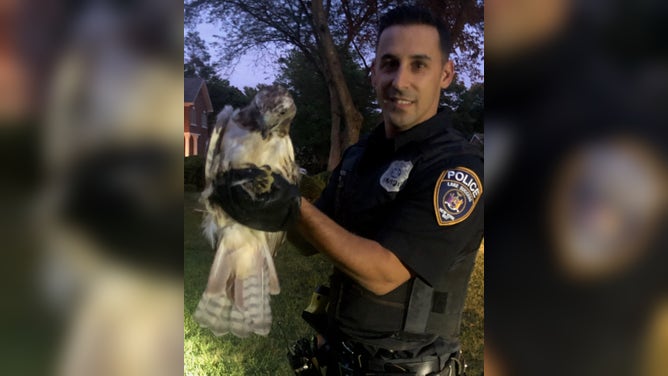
[
  {"x": 395, "y": 175},
  {"x": 456, "y": 194}
]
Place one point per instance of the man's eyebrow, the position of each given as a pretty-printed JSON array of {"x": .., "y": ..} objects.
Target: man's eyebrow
[
  {"x": 412, "y": 57},
  {"x": 420, "y": 57}
]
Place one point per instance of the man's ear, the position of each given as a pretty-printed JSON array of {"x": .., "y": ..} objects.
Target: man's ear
[{"x": 447, "y": 74}]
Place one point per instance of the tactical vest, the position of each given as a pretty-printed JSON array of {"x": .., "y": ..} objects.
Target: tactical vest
[{"x": 415, "y": 312}]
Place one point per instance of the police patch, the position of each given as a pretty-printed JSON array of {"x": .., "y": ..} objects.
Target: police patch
[
  {"x": 396, "y": 175},
  {"x": 456, "y": 194}
]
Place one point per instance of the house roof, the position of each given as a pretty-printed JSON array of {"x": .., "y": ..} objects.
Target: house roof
[{"x": 191, "y": 87}]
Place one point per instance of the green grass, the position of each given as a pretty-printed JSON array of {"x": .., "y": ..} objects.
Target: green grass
[{"x": 205, "y": 354}]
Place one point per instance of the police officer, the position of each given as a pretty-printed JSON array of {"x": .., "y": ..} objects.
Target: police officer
[{"x": 401, "y": 218}]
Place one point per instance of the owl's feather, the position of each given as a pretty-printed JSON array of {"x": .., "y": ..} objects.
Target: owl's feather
[{"x": 242, "y": 277}]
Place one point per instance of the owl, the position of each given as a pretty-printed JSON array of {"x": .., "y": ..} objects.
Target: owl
[{"x": 243, "y": 276}]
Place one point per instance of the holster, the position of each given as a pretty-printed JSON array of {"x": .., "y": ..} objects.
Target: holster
[
  {"x": 351, "y": 359},
  {"x": 316, "y": 313}
]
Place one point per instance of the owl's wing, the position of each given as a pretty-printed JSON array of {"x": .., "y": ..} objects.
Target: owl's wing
[
  {"x": 214, "y": 217},
  {"x": 214, "y": 154}
]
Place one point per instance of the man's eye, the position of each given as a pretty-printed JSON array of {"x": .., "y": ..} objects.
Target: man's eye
[
  {"x": 388, "y": 64},
  {"x": 419, "y": 65}
]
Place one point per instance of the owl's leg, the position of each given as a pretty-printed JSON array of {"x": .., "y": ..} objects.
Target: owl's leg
[
  {"x": 264, "y": 184},
  {"x": 258, "y": 180}
]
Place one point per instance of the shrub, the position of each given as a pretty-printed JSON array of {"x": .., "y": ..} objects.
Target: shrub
[
  {"x": 311, "y": 186},
  {"x": 193, "y": 173}
]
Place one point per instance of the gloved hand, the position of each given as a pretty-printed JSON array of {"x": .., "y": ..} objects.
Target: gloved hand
[{"x": 257, "y": 198}]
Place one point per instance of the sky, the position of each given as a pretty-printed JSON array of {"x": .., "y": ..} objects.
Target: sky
[
  {"x": 249, "y": 71},
  {"x": 253, "y": 69}
]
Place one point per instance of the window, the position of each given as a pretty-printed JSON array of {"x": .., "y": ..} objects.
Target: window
[{"x": 204, "y": 119}]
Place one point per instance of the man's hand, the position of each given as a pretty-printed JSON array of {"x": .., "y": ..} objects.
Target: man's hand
[{"x": 257, "y": 198}]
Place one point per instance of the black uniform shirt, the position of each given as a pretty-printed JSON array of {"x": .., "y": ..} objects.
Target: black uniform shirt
[{"x": 405, "y": 194}]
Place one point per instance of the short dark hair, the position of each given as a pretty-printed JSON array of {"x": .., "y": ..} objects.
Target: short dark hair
[{"x": 416, "y": 15}]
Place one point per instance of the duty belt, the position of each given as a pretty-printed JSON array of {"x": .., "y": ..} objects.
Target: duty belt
[{"x": 352, "y": 363}]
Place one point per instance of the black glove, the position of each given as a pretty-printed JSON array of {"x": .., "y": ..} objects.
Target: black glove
[{"x": 257, "y": 198}]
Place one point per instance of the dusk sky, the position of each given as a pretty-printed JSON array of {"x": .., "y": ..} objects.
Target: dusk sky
[
  {"x": 248, "y": 71},
  {"x": 253, "y": 68}
]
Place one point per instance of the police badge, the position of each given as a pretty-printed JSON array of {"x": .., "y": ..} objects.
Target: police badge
[
  {"x": 456, "y": 194},
  {"x": 395, "y": 175}
]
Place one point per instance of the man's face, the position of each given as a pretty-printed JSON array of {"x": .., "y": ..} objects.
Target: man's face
[{"x": 408, "y": 75}]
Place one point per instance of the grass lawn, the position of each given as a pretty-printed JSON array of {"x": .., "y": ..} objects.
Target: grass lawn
[{"x": 205, "y": 354}]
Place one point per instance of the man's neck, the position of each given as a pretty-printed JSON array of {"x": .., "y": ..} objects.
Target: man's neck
[{"x": 390, "y": 131}]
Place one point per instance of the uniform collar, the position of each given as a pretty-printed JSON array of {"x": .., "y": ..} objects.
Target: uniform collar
[{"x": 435, "y": 125}]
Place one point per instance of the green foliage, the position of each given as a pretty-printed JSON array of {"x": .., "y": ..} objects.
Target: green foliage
[
  {"x": 311, "y": 129},
  {"x": 323, "y": 177},
  {"x": 310, "y": 186},
  {"x": 223, "y": 94},
  {"x": 198, "y": 64},
  {"x": 466, "y": 105},
  {"x": 193, "y": 173},
  {"x": 471, "y": 110},
  {"x": 250, "y": 91},
  {"x": 197, "y": 60},
  {"x": 473, "y": 317}
]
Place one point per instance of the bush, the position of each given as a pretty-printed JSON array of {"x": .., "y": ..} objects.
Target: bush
[
  {"x": 193, "y": 173},
  {"x": 311, "y": 186}
]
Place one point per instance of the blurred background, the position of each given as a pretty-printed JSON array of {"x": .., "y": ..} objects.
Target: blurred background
[
  {"x": 575, "y": 113},
  {"x": 92, "y": 174},
  {"x": 91, "y": 192}
]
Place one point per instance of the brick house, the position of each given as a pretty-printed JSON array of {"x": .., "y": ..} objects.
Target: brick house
[{"x": 196, "y": 107}]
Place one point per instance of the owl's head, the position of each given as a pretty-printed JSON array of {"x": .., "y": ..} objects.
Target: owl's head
[{"x": 276, "y": 109}]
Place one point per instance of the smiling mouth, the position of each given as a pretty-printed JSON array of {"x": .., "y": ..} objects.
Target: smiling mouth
[{"x": 399, "y": 101}]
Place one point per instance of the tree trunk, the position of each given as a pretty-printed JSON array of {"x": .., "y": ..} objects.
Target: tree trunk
[
  {"x": 335, "y": 138},
  {"x": 351, "y": 116}
]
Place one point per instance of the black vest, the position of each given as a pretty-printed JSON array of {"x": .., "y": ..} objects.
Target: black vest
[{"x": 414, "y": 314}]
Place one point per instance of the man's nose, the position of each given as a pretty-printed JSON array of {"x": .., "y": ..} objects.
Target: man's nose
[{"x": 401, "y": 77}]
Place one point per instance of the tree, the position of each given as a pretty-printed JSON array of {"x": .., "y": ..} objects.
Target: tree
[
  {"x": 197, "y": 60},
  {"x": 222, "y": 93},
  {"x": 338, "y": 89},
  {"x": 319, "y": 30},
  {"x": 253, "y": 23},
  {"x": 197, "y": 63},
  {"x": 465, "y": 20},
  {"x": 471, "y": 111},
  {"x": 466, "y": 105},
  {"x": 309, "y": 130}
]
